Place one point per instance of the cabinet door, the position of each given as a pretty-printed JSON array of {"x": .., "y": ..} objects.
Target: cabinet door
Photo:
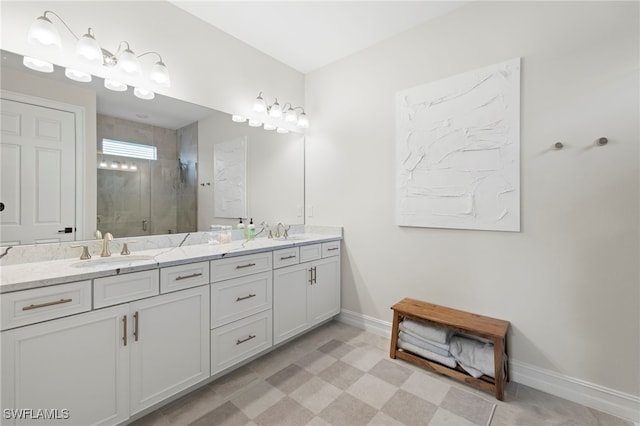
[
  {"x": 79, "y": 364},
  {"x": 325, "y": 289},
  {"x": 169, "y": 345},
  {"x": 290, "y": 301}
]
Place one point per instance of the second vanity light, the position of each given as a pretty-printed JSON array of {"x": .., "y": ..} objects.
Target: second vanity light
[
  {"x": 123, "y": 63},
  {"x": 269, "y": 115}
]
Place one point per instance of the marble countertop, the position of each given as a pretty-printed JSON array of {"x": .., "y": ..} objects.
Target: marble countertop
[{"x": 52, "y": 272}]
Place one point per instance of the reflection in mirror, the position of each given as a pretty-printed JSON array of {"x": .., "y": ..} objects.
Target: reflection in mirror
[{"x": 173, "y": 193}]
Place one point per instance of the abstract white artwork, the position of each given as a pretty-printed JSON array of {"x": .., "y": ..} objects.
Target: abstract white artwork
[
  {"x": 458, "y": 151},
  {"x": 230, "y": 178}
]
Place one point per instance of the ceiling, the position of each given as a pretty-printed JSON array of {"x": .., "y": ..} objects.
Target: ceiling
[{"x": 307, "y": 35}]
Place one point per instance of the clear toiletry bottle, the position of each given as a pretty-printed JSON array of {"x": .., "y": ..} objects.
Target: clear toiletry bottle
[
  {"x": 240, "y": 224},
  {"x": 251, "y": 230}
]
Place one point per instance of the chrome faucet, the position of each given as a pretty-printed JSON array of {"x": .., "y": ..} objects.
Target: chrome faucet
[
  {"x": 105, "y": 245},
  {"x": 285, "y": 230}
]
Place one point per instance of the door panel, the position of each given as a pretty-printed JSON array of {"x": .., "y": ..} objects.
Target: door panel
[{"x": 38, "y": 174}]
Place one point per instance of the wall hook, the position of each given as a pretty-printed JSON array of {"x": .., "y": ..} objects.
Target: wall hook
[
  {"x": 602, "y": 141},
  {"x": 558, "y": 145}
]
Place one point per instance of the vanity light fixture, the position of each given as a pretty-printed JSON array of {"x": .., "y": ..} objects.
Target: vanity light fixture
[
  {"x": 282, "y": 130},
  {"x": 43, "y": 33},
  {"x": 268, "y": 115}
]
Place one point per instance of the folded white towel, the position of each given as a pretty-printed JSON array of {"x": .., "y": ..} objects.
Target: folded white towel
[
  {"x": 422, "y": 343},
  {"x": 444, "y": 360},
  {"x": 404, "y": 329},
  {"x": 427, "y": 331},
  {"x": 473, "y": 355}
]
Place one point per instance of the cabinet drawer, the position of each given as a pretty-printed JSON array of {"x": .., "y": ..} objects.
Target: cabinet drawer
[
  {"x": 286, "y": 257},
  {"x": 240, "y": 340},
  {"x": 310, "y": 252},
  {"x": 238, "y": 298},
  {"x": 42, "y": 304},
  {"x": 183, "y": 276},
  {"x": 234, "y": 267},
  {"x": 124, "y": 288},
  {"x": 331, "y": 249}
]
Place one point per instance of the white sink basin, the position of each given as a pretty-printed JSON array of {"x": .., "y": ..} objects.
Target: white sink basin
[{"x": 111, "y": 261}]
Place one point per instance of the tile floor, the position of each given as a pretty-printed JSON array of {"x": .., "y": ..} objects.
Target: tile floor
[{"x": 341, "y": 375}]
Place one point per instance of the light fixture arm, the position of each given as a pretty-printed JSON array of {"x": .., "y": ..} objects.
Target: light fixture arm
[
  {"x": 151, "y": 53},
  {"x": 44, "y": 15}
]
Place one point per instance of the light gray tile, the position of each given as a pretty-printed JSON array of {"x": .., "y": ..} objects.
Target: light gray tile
[
  {"x": 605, "y": 419},
  {"x": 468, "y": 405},
  {"x": 153, "y": 419},
  {"x": 257, "y": 398},
  {"x": 336, "y": 348},
  {"x": 409, "y": 409},
  {"x": 347, "y": 410},
  {"x": 289, "y": 378},
  {"x": 341, "y": 375},
  {"x": 315, "y": 362},
  {"x": 363, "y": 358},
  {"x": 372, "y": 390},
  {"x": 285, "y": 412},
  {"x": 391, "y": 372},
  {"x": 426, "y": 387},
  {"x": 444, "y": 417},
  {"x": 227, "y": 414},
  {"x": 316, "y": 394},
  {"x": 234, "y": 382},
  {"x": 381, "y": 419},
  {"x": 192, "y": 406}
]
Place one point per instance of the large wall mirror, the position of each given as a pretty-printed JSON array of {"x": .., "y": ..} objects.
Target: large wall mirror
[{"x": 157, "y": 170}]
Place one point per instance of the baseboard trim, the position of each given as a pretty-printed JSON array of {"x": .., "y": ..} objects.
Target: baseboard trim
[{"x": 582, "y": 392}]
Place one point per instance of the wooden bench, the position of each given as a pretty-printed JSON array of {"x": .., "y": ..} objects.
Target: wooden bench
[{"x": 492, "y": 329}]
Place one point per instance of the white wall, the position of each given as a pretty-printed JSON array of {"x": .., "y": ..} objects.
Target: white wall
[
  {"x": 207, "y": 66},
  {"x": 569, "y": 282}
]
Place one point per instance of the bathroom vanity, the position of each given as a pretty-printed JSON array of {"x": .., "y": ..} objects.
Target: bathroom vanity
[{"x": 100, "y": 341}]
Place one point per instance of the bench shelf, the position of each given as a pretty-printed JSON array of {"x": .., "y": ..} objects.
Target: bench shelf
[{"x": 492, "y": 329}]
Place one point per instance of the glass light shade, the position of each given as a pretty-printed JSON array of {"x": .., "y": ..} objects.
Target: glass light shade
[
  {"x": 142, "y": 93},
  {"x": 238, "y": 118},
  {"x": 43, "y": 33},
  {"x": 76, "y": 75},
  {"x": 89, "y": 49},
  {"x": 255, "y": 123},
  {"x": 303, "y": 121},
  {"x": 103, "y": 163},
  {"x": 133, "y": 166},
  {"x": 291, "y": 116},
  {"x": 282, "y": 131},
  {"x": 124, "y": 166},
  {"x": 114, "y": 165},
  {"x": 114, "y": 85},
  {"x": 128, "y": 62},
  {"x": 160, "y": 74},
  {"x": 275, "y": 111},
  {"x": 37, "y": 64},
  {"x": 268, "y": 126},
  {"x": 259, "y": 105}
]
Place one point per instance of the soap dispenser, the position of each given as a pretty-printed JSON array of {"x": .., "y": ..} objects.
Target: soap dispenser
[
  {"x": 251, "y": 230},
  {"x": 240, "y": 225}
]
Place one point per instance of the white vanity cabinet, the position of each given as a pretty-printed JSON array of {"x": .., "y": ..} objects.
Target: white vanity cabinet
[
  {"x": 79, "y": 363},
  {"x": 241, "y": 304},
  {"x": 307, "y": 293},
  {"x": 169, "y": 344}
]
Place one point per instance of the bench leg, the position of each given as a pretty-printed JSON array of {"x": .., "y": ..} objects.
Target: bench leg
[
  {"x": 394, "y": 334},
  {"x": 498, "y": 351}
]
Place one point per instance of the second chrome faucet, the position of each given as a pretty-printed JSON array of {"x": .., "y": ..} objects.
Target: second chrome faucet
[{"x": 106, "y": 252}]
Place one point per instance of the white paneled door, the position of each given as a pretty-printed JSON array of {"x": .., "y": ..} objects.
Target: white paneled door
[{"x": 37, "y": 190}]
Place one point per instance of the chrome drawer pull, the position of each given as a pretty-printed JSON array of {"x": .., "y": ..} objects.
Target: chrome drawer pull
[
  {"x": 42, "y": 305},
  {"x": 239, "y": 342},
  {"x": 185, "y": 277},
  {"x": 288, "y": 257},
  {"x": 333, "y": 248},
  {"x": 245, "y": 297},
  {"x": 248, "y": 265}
]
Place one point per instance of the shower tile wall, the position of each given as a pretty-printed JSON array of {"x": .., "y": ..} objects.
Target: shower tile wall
[
  {"x": 187, "y": 184},
  {"x": 124, "y": 198}
]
